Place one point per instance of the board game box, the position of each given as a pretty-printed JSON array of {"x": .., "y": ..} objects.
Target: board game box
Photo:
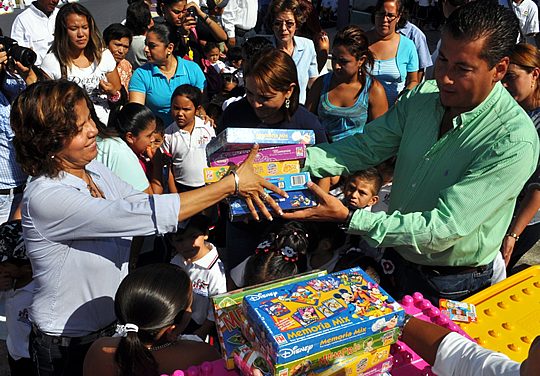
[
  {"x": 213, "y": 174},
  {"x": 302, "y": 199},
  {"x": 273, "y": 154},
  {"x": 304, "y": 318},
  {"x": 229, "y": 314},
  {"x": 244, "y": 138},
  {"x": 360, "y": 355}
]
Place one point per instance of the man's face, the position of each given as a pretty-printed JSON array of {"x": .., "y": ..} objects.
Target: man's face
[
  {"x": 47, "y": 5},
  {"x": 463, "y": 77}
]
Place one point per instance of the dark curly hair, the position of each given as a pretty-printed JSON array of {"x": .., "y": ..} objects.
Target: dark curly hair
[
  {"x": 278, "y": 6},
  {"x": 43, "y": 120}
]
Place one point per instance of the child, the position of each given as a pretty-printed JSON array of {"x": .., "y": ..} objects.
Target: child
[
  {"x": 280, "y": 254},
  {"x": 186, "y": 139},
  {"x": 361, "y": 192},
  {"x": 200, "y": 260},
  {"x": 361, "y": 189},
  {"x": 234, "y": 64},
  {"x": 211, "y": 51}
]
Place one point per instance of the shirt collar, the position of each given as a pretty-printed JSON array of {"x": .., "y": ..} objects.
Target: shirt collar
[
  {"x": 77, "y": 182},
  {"x": 208, "y": 260},
  {"x": 486, "y": 105},
  {"x": 41, "y": 13},
  {"x": 180, "y": 69}
]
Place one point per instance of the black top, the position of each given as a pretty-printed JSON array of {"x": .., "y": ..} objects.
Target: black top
[{"x": 240, "y": 114}]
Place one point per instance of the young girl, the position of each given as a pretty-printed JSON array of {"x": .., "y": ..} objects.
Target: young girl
[
  {"x": 152, "y": 305},
  {"x": 282, "y": 253},
  {"x": 79, "y": 54},
  {"x": 347, "y": 98},
  {"x": 185, "y": 141},
  {"x": 122, "y": 145}
]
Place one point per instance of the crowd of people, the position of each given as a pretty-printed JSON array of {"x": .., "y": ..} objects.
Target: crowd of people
[{"x": 425, "y": 168}]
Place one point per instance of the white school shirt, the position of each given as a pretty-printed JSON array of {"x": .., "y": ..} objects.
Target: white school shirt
[
  {"x": 207, "y": 279},
  {"x": 33, "y": 29},
  {"x": 88, "y": 78},
  {"x": 188, "y": 151},
  {"x": 527, "y": 14},
  {"x": 458, "y": 356}
]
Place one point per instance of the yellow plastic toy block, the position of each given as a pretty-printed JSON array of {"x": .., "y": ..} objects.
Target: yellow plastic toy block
[{"x": 508, "y": 314}]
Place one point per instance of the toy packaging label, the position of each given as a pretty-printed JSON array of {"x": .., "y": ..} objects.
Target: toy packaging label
[
  {"x": 229, "y": 314},
  {"x": 274, "y": 154},
  {"x": 213, "y": 174},
  {"x": 244, "y": 138},
  {"x": 238, "y": 208},
  {"x": 360, "y": 364},
  {"x": 359, "y": 355},
  {"x": 304, "y": 318},
  {"x": 458, "y": 311}
]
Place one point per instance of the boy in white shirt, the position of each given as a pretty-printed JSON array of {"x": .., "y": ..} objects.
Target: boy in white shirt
[{"x": 200, "y": 260}]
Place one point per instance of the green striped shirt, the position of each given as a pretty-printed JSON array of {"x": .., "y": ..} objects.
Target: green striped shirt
[{"x": 452, "y": 198}]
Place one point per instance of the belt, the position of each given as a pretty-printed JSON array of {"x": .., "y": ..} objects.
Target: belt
[
  {"x": 14, "y": 191},
  {"x": 449, "y": 270},
  {"x": 239, "y": 32},
  {"x": 74, "y": 341},
  {"x": 441, "y": 269}
]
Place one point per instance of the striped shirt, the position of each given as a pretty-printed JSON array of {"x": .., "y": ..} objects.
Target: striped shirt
[
  {"x": 11, "y": 174},
  {"x": 452, "y": 197}
]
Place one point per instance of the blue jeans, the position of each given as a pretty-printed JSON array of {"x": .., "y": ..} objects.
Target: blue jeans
[{"x": 407, "y": 278}]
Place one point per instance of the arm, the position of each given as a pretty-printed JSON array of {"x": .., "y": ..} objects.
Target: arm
[
  {"x": 526, "y": 211},
  {"x": 137, "y": 87},
  {"x": 137, "y": 97},
  {"x": 412, "y": 80},
  {"x": 216, "y": 30},
  {"x": 112, "y": 85},
  {"x": 377, "y": 102},
  {"x": 322, "y": 46},
  {"x": 313, "y": 96},
  {"x": 228, "y": 18}
]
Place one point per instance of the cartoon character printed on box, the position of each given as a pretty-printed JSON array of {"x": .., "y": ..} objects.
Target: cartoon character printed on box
[
  {"x": 324, "y": 285},
  {"x": 275, "y": 309},
  {"x": 306, "y": 316},
  {"x": 302, "y": 295},
  {"x": 383, "y": 325},
  {"x": 301, "y": 368},
  {"x": 374, "y": 295},
  {"x": 387, "y": 338},
  {"x": 368, "y": 344}
]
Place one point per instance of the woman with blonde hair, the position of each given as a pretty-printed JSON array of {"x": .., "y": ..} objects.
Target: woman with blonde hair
[{"x": 522, "y": 81}]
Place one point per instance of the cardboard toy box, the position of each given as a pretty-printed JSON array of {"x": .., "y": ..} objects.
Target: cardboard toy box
[
  {"x": 302, "y": 199},
  {"x": 244, "y": 138},
  {"x": 213, "y": 174},
  {"x": 229, "y": 314},
  {"x": 273, "y": 154},
  {"x": 307, "y": 317},
  {"x": 360, "y": 355}
]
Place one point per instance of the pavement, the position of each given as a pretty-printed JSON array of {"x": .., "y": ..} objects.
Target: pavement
[{"x": 106, "y": 12}]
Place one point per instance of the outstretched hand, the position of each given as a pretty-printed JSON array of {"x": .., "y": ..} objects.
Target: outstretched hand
[
  {"x": 330, "y": 209},
  {"x": 251, "y": 188}
]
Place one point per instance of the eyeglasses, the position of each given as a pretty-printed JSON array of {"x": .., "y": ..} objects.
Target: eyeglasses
[
  {"x": 390, "y": 16},
  {"x": 288, "y": 24}
]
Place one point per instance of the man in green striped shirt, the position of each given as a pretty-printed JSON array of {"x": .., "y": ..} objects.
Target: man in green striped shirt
[{"x": 464, "y": 151}]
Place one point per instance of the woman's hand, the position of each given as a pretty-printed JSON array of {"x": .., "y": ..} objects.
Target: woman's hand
[
  {"x": 107, "y": 87},
  {"x": 330, "y": 209},
  {"x": 252, "y": 186}
]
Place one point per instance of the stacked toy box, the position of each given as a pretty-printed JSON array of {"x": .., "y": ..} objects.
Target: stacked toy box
[
  {"x": 323, "y": 325},
  {"x": 278, "y": 161}
]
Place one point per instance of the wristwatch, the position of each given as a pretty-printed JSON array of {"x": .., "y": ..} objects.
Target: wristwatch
[{"x": 345, "y": 224}]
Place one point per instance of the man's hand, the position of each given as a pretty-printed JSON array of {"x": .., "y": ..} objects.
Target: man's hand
[
  {"x": 330, "y": 209},
  {"x": 507, "y": 248}
]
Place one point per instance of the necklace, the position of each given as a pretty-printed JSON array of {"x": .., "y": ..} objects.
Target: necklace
[
  {"x": 93, "y": 188},
  {"x": 163, "y": 346}
]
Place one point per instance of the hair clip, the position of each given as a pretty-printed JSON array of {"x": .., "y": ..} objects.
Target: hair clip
[
  {"x": 289, "y": 254},
  {"x": 264, "y": 244},
  {"x": 123, "y": 330}
]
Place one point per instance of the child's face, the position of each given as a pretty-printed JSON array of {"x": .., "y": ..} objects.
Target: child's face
[
  {"x": 158, "y": 140},
  {"x": 213, "y": 55},
  {"x": 140, "y": 142},
  {"x": 183, "y": 111},
  {"x": 359, "y": 193},
  {"x": 190, "y": 243}
]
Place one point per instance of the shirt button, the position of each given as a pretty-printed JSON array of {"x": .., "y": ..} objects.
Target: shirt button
[
  {"x": 427, "y": 158},
  {"x": 413, "y": 185}
]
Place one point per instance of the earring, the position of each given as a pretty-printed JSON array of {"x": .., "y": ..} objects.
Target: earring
[
  {"x": 287, "y": 103},
  {"x": 52, "y": 156},
  {"x": 168, "y": 54}
]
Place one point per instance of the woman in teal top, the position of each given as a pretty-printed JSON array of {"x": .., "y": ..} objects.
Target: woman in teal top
[{"x": 348, "y": 97}]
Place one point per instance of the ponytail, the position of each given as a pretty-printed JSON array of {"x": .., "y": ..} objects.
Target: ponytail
[{"x": 134, "y": 358}]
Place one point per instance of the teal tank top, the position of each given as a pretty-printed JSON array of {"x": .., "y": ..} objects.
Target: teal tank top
[{"x": 340, "y": 122}]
